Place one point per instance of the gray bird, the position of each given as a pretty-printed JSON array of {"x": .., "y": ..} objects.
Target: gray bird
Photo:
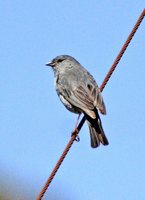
[{"x": 79, "y": 92}]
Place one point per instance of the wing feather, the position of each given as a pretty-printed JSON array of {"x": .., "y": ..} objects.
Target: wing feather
[{"x": 84, "y": 96}]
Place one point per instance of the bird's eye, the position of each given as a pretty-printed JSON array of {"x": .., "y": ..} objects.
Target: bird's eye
[{"x": 60, "y": 60}]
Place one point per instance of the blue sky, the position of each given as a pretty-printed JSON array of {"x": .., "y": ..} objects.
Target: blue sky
[{"x": 35, "y": 127}]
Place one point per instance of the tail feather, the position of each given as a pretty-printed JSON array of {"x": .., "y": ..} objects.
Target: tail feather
[
  {"x": 97, "y": 134},
  {"x": 95, "y": 142}
]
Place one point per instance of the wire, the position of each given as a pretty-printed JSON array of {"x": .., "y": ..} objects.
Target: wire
[{"x": 75, "y": 133}]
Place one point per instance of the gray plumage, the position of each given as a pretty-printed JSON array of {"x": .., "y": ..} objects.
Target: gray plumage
[{"x": 79, "y": 92}]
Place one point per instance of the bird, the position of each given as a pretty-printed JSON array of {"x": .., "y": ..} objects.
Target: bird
[{"x": 79, "y": 92}]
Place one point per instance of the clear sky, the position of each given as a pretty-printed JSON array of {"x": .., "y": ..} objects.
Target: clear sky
[{"x": 35, "y": 127}]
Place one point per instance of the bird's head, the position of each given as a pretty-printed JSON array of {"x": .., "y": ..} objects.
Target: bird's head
[{"x": 60, "y": 61}]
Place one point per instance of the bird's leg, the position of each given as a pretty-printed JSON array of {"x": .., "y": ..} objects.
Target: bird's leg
[
  {"x": 77, "y": 121},
  {"x": 75, "y": 132}
]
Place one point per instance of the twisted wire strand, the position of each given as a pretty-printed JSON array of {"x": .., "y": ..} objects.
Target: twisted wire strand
[{"x": 75, "y": 133}]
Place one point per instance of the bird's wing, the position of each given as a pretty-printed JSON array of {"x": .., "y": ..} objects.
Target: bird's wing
[
  {"x": 99, "y": 103},
  {"x": 88, "y": 98},
  {"x": 84, "y": 96}
]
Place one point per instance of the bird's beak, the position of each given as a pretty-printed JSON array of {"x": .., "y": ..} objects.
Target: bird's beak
[{"x": 50, "y": 64}]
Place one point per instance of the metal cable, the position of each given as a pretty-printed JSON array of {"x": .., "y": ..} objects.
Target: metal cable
[{"x": 75, "y": 133}]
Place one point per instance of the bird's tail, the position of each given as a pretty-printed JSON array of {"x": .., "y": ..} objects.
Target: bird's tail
[{"x": 96, "y": 131}]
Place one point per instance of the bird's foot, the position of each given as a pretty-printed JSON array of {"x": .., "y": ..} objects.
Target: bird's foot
[{"x": 75, "y": 133}]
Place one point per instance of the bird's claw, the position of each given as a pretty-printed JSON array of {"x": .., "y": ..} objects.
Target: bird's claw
[
  {"x": 75, "y": 132},
  {"x": 77, "y": 139}
]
